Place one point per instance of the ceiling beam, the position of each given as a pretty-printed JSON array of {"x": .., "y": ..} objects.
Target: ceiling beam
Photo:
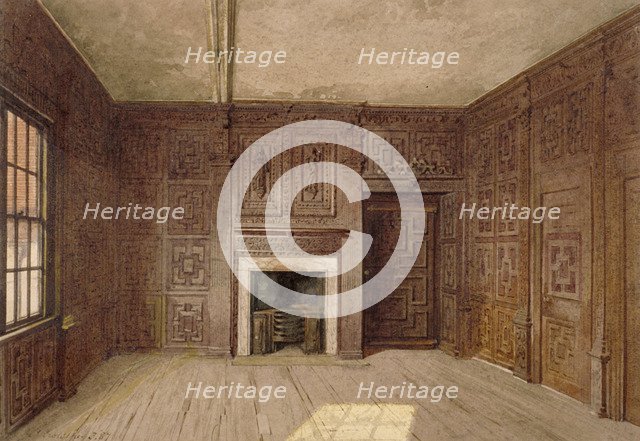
[{"x": 220, "y": 30}]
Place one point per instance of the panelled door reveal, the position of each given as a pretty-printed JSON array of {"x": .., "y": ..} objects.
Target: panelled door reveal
[{"x": 404, "y": 319}]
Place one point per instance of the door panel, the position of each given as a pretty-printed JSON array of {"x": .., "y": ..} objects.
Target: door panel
[
  {"x": 566, "y": 293},
  {"x": 632, "y": 291},
  {"x": 405, "y": 319}
]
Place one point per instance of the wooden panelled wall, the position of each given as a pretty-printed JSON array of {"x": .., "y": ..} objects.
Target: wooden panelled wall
[
  {"x": 38, "y": 66},
  {"x": 174, "y": 275},
  {"x": 549, "y": 300}
]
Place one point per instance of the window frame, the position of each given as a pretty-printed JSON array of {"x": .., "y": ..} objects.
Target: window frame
[{"x": 10, "y": 103}]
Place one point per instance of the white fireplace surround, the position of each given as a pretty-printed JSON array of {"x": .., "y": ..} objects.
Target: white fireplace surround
[{"x": 326, "y": 265}]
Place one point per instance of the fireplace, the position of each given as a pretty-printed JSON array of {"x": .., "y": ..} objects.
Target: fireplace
[
  {"x": 275, "y": 331},
  {"x": 263, "y": 329}
]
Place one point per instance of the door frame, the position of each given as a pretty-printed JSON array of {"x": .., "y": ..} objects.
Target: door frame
[
  {"x": 543, "y": 184},
  {"x": 431, "y": 204},
  {"x": 621, "y": 166}
]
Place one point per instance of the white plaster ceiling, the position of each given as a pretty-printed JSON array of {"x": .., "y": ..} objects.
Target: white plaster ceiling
[{"x": 138, "y": 47}]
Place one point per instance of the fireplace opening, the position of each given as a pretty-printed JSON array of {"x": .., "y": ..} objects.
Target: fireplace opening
[{"x": 277, "y": 332}]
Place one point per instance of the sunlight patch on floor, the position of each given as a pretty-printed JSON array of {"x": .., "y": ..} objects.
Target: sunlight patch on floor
[{"x": 382, "y": 422}]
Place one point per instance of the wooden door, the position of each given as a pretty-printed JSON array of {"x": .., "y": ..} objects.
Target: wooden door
[
  {"x": 404, "y": 319},
  {"x": 632, "y": 291},
  {"x": 566, "y": 290}
]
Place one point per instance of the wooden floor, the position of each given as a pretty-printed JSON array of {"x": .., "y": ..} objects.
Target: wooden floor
[{"x": 142, "y": 397}]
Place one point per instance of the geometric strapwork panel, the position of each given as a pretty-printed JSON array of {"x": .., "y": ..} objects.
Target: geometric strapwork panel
[
  {"x": 485, "y": 225},
  {"x": 580, "y": 124},
  {"x": 186, "y": 319},
  {"x": 485, "y": 331},
  {"x": 189, "y": 265},
  {"x": 561, "y": 344},
  {"x": 398, "y": 139},
  {"x": 549, "y": 121},
  {"x": 196, "y": 201},
  {"x": 20, "y": 378},
  {"x": 507, "y": 148},
  {"x": 484, "y": 274},
  {"x": 504, "y": 336},
  {"x": 189, "y": 155},
  {"x": 31, "y": 373},
  {"x": 507, "y": 272},
  {"x": 433, "y": 154},
  {"x": 485, "y": 157},
  {"x": 449, "y": 216},
  {"x": 563, "y": 264},
  {"x": 507, "y": 195}
]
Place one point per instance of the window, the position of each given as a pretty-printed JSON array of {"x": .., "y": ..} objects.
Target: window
[{"x": 24, "y": 155}]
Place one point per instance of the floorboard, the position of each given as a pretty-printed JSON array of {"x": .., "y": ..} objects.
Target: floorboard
[{"x": 141, "y": 397}]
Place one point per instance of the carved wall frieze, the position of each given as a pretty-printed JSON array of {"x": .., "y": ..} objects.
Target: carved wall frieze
[
  {"x": 437, "y": 120},
  {"x": 623, "y": 40},
  {"x": 582, "y": 63},
  {"x": 320, "y": 244}
]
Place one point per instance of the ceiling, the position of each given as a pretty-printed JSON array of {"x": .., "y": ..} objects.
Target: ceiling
[{"x": 138, "y": 47}]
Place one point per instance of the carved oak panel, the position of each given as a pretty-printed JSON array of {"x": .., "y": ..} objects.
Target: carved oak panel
[
  {"x": 622, "y": 119},
  {"x": 196, "y": 200},
  {"x": 449, "y": 266},
  {"x": 448, "y": 317},
  {"x": 141, "y": 153},
  {"x": 188, "y": 264},
  {"x": 144, "y": 194},
  {"x": 21, "y": 368},
  {"x": 504, "y": 336},
  {"x": 507, "y": 264},
  {"x": 507, "y": 148},
  {"x": 507, "y": 195},
  {"x": 139, "y": 264},
  {"x": 548, "y": 125},
  {"x": 484, "y": 270},
  {"x": 190, "y": 154},
  {"x": 187, "y": 320},
  {"x": 561, "y": 350},
  {"x": 484, "y": 227},
  {"x": 434, "y": 154},
  {"x": 317, "y": 199},
  {"x": 449, "y": 216},
  {"x": 44, "y": 375},
  {"x": 485, "y": 156},
  {"x": 563, "y": 257},
  {"x": 580, "y": 124},
  {"x": 485, "y": 330}
]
